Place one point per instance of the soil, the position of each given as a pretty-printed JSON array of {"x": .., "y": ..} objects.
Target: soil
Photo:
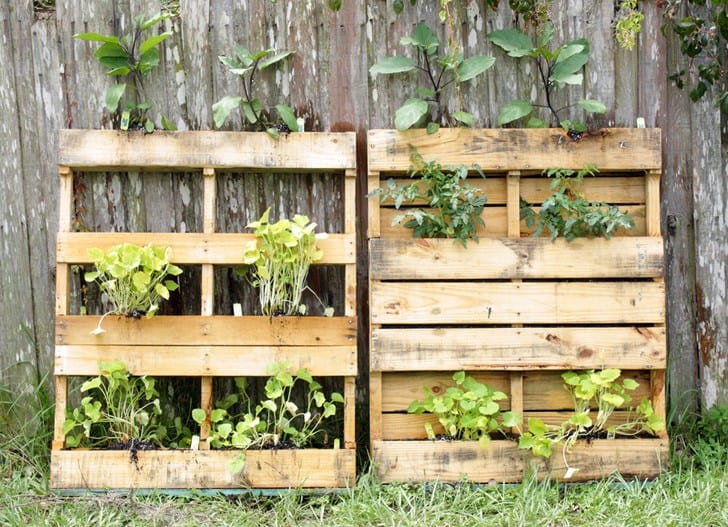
[{"x": 134, "y": 446}]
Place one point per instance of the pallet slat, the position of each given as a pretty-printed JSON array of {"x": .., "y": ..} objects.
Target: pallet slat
[
  {"x": 207, "y": 331},
  {"x": 517, "y": 149},
  {"x": 193, "y": 248},
  {"x": 187, "y": 469},
  {"x": 447, "y": 349},
  {"x": 101, "y": 150},
  {"x": 503, "y": 461},
  {"x": 509, "y": 258},
  {"x": 517, "y": 303}
]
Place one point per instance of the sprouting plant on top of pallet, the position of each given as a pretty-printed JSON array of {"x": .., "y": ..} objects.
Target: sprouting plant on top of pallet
[
  {"x": 133, "y": 57},
  {"x": 440, "y": 70},
  {"x": 567, "y": 213},
  {"x": 248, "y": 65},
  {"x": 589, "y": 390},
  {"x": 117, "y": 410},
  {"x": 468, "y": 411},
  {"x": 279, "y": 260},
  {"x": 454, "y": 207},
  {"x": 276, "y": 421},
  {"x": 556, "y": 69},
  {"x": 133, "y": 278}
]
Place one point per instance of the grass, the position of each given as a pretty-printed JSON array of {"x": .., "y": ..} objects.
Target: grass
[{"x": 694, "y": 492}]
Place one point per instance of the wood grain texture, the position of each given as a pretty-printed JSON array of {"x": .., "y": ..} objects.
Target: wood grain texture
[
  {"x": 503, "y": 462},
  {"x": 186, "y": 469},
  {"x": 508, "y": 258}
]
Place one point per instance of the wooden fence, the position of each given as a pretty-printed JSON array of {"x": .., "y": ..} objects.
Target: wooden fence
[{"x": 51, "y": 81}]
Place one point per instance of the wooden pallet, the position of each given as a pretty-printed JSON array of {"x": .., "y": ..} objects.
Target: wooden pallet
[
  {"x": 513, "y": 310},
  {"x": 204, "y": 346}
]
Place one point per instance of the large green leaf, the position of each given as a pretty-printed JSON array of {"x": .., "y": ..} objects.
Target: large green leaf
[
  {"x": 411, "y": 113},
  {"x": 112, "y": 55},
  {"x": 222, "y": 108},
  {"x": 113, "y": 96},
  {"x": 565, "y": 71},
  {"x": 263, "y": 64},
  {"x": 514, "y": 110},
  {"x": 592, "y": 106},
  {"x": 96, "y": 37},
  {"x": 423, "y": 37},
  {"x": 153, "y": 41},
  {"x": 465, "y": 118},
  {"x": 474, "y": 66},
  {"x": 288, "y": 117},
  {"x": 148, "y": 61},
  {"x": 512, "y": 41},
  {"x": 389, "y": 65}
]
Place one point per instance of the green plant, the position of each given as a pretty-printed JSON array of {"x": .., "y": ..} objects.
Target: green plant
[
  {"x": 713, "y": 425},
  {"x": 468, "y": 411},
  {"x": 556, "y": 68},
  {"x": 276, "y": 421},
  {"x": 440, "y": 71},
  {"x": 119, "y": 409},
  {"x": 455, "y": 206},
  {"x": 627, "y": 24},
  {"x": 133, "y": 278},
  {"x": 279, "y": 260},
  {"x": 567, "y": 213},
  {"x": 133, "y": 58},
  {"x": 703, "y": 41},
  {"x": 247, "y": 65},
  {"x": 592, "y": 389}
]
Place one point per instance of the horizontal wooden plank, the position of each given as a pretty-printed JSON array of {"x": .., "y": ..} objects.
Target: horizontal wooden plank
[
  {"x": 543, "y": 391},
  {"x": 496, "y": 226},
  {"x": 448, "y": 349},
  {"x": 99, "y": 150},
  {"x": 213, "y": 361},
  {"x": 192, "y": 248},
  {"x": 613, "y": 189},
  {"x": 503, "y": 461},
  {"x": 198, "y": 469},
  {"x": 207, "y": 331},
  {"x": 517, "y": 303},
  {"x": 610, "y": 149},
  {"x": 406, "y": 427},
  {"x": 515, "y": 258}
]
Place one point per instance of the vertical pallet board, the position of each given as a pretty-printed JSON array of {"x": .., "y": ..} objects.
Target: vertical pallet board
[
  {"x": 208, "y": 345},
  {"x": 512, "y": 310}
]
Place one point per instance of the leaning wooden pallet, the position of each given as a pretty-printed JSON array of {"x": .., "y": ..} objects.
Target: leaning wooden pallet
[
  {"x": 208, "y": 345},
  {"x": 514, "y": 311}
]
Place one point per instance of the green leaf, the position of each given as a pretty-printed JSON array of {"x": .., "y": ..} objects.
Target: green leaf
[
  {"x": 96, "y": 37},
  {"x": 512, "y": 41},
  {"x": 565, "y": 72},
  {"x": 148, "y": 61},
  {"x": 273, "y": 59},
  {"x": 334, "y": 5},
  {"x": 514, "y": 110},
  {"x": 432, "y": 128},
  {"x": 389, "y": 65},
  {"x": 511, "y": 419},
  {"x": 222, "y": 108},
  {"x": 288, "y": 117},
  {"x": 410, "y": 114},
  {"x": 592, "y": 106},
  {"x": 422, "y": 37},
  {"x": 398, "y": 6},
  {"x": 168, "y": 125},
  {"x": 474, "y": 66},
  {"x": 153, "y": 41},
  {"x": 113, "y": 96},
  {"x": 465, "y": 118},
  {"x": 154, "y": 19}
]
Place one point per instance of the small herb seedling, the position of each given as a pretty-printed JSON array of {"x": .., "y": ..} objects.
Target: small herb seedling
[
  {"x": 133, "y": 278},
  {"x": 556, "y": 68},
  {"x": 591, "y": 389},
  {"x": 440, "y": 71},
  {"x": 132, "y": 58},
  {"x": 279, "y": 260},
  {"x": 247, "y": 66},
  {"x": 468, "y": 411},
  {"x": 455, "y": 207},
  {"x": 275, "y": 420},
  {"x": 567, "y": 213},
  {"x": 118, "y": 408}
]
